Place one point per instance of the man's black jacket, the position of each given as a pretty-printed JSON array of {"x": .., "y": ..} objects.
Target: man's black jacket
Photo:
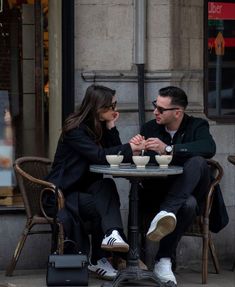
[{"x": 193, "y": 138}]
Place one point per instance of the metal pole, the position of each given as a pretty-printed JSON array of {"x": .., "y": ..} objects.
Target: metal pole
[
  {"x": 141, "y": 103},
  {"x": 139, "y": 57},
  {"x": 67, "y": 58}
]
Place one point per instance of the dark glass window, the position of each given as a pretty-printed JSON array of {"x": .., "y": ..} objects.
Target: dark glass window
[
  {"x": 24, "y": 90},
  {"x": 220, "y": 60}
]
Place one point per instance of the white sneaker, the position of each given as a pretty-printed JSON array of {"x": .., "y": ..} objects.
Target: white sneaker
[
  {"x": 162, "y": 224},
  {"x": 163, "y": 271},
  {"x": 103, "y": 269},
  {"x": 114, "y": 242}
]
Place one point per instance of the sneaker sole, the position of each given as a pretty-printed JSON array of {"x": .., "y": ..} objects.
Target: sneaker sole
[
  {"x": 166, "y": 279},
  {"x": 115, "y": 248},
  {"x": 164, "y": 226},
  {"x": 102, "y": 277}
]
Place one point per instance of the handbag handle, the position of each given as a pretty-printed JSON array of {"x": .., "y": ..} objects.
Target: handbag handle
[{"x": 76, "y": 248}]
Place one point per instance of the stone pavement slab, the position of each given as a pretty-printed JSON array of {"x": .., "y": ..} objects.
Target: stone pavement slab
[{"x": 185, "y": 278}]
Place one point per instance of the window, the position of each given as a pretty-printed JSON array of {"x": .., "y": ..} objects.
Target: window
[
  {"x": 220, "y": 60},
  {"x": 23, "y": 89}
]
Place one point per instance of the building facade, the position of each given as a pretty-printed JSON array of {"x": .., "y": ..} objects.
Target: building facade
[{"x": 165, "y": 40}]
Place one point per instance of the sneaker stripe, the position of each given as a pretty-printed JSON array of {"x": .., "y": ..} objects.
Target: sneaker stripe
[
  {"x": 101, "y": 271},
  {"x": 114, "y": 242},
  {"x": 111, "y": 241}
]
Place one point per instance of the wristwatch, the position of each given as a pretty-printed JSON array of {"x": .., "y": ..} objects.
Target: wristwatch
[{"x": 168, "y": 149}]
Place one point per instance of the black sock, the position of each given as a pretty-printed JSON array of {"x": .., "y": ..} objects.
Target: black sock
[{"x": 109, "y": 231}]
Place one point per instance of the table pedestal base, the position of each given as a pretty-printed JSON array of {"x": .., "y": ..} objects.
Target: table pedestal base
[{"x": 134, "y": 274}]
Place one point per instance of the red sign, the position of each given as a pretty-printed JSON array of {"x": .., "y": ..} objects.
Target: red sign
[
  {"x": 221, "y": 11},
  {"x": 228, "y": 42}
]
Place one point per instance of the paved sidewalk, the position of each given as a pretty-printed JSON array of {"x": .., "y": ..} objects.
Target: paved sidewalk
[{"x": 185, "y": 278}]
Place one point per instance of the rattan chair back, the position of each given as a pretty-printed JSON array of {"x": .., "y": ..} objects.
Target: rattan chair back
[
  {"x": 200, "y": 227},
  {"x": 231, "y": 159},
  {"x": 30, "y": 174}
]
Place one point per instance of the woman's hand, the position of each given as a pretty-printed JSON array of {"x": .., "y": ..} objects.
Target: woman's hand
[
  {"x": 137, "y": 144},
  {"x": 110, "y": 124}
]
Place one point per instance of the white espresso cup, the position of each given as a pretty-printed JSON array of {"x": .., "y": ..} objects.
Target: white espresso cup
[
  {"x": 114, "y": 159},
  {"x": 140, "y": 161},
  {"x": 163, "y": 160}
]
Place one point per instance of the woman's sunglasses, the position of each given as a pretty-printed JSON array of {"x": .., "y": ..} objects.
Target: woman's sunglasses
[{"x": 112, "y": 106}]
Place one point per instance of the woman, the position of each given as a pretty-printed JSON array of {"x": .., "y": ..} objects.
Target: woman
[{"x": 87, "y": 137}]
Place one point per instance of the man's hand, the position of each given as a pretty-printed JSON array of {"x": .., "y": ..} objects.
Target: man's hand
[
  {"x": 137, "y": 139},
  {"x": 156, "y": 145}
]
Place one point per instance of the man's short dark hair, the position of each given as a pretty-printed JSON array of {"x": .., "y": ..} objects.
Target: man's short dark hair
[{"x": 177, "y": 95}]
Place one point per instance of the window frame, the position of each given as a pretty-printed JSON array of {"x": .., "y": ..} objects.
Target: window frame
[{"x": 218, "y": 118}]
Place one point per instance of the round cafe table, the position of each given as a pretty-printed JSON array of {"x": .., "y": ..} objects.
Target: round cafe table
[{"x": 132, "y": 273}]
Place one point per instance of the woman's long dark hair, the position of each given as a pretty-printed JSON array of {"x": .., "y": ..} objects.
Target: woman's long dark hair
[{"x": 96, "y": 99}]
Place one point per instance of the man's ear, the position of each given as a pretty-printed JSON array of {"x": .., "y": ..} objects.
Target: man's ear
[{"x": 179, "y": 113}]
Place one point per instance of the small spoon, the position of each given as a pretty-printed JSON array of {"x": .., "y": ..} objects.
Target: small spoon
[
  {"x": 119, "y": 153},
  {"x": 142, "y": 152}
]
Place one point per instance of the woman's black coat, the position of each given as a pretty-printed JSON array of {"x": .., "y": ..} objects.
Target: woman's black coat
[{"x": 75, "y": 152}]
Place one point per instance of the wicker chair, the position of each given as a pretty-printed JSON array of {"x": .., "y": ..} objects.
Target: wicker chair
[
  {"x": 200, "y": 227},
  {"x": 30, "y": 172},
  {"x": 231, "y": 158}
]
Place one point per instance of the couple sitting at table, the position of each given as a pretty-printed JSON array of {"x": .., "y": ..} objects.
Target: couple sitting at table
[{"x": 89, "y": 134}]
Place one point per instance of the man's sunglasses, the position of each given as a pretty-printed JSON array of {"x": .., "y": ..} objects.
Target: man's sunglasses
[
  {"x": 161, "y": 110},
  {"x": 112, "y": 106}
]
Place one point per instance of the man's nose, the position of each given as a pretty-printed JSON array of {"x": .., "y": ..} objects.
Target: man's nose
[{"x": 156, "y": 112}]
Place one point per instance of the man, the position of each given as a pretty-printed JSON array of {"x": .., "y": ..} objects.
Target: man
[{"x": 176, "y": 200}]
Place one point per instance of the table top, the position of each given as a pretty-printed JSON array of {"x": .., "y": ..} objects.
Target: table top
[{"x": 130, "y": 170}]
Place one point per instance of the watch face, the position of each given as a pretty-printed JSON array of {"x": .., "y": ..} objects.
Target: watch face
[{"x": 168, "y": 148}]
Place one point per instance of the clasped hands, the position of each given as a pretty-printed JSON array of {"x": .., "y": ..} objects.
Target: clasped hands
[{"x": 139, "y": 143}]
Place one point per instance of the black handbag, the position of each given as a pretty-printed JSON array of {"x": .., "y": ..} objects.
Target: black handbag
[{"x": 67, "y": 270}]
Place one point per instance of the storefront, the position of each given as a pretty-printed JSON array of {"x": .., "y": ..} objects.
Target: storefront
[
  {"x": 27, "y": 120},
  {"x": 220, "y": 60}
]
